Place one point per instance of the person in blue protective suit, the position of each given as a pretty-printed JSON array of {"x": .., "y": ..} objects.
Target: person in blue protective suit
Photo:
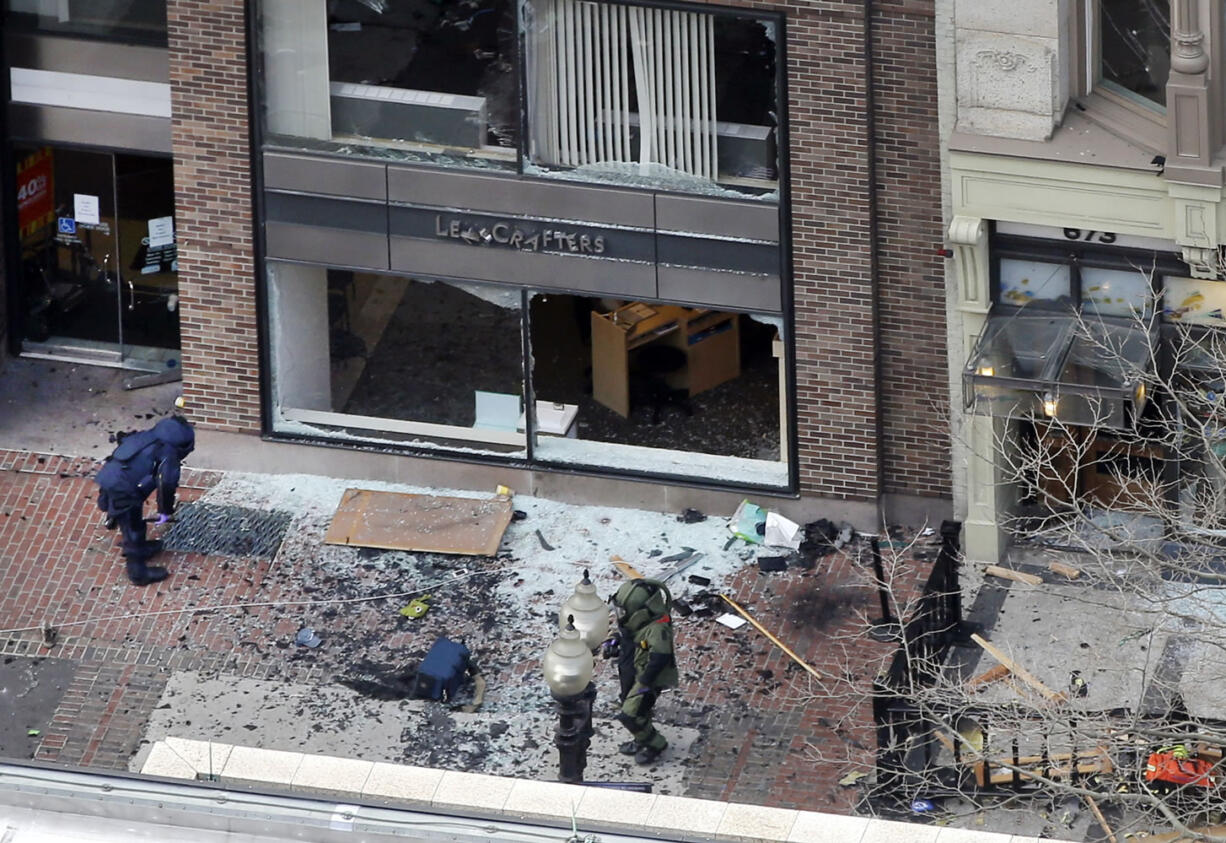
[
  {"x": 144, "y": 461},
  {"x": 646, "y": 663}
]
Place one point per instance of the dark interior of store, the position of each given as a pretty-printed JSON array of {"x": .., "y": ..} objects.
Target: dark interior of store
[{"x": 438, "y": 344}]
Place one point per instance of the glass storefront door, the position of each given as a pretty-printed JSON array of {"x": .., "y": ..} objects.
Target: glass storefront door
[{"x": 98, "y": 269}]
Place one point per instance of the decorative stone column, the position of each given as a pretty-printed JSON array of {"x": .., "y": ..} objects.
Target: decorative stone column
[
  {"x": 1191, "y": 143},
  {"x": 976, "y": 437}
]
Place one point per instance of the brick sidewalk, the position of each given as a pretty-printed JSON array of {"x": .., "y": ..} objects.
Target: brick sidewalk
[{"x": 765, "y": 739}]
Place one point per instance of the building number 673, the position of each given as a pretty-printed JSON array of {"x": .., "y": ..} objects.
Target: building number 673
[{"x": 1090, "y": 236}]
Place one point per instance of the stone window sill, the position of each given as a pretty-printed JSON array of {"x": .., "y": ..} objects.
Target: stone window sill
[{"x": 1079, "y": 139}]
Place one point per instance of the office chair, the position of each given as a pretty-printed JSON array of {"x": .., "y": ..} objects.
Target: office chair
[{"x": 649, "y": 380}]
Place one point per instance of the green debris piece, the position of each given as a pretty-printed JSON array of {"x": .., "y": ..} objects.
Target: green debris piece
[
  {"x": 417, "y": 607},
  {"x": 33, "y": 733}
]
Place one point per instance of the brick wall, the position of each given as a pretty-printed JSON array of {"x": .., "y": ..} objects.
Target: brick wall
[
  {"x": 832, "y": 266},
  {"x": 915, "y": 434},
  {"x": 213, "y": 194}
]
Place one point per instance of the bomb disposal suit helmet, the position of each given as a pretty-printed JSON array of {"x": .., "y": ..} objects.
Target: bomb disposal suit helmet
[{"x": 641, "y": 601}]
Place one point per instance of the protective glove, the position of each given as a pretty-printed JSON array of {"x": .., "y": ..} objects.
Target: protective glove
[
  {"x": 611, "y": 648},
  {"x": 162, "y": 518}
]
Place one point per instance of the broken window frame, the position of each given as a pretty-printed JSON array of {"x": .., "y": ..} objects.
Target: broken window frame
[
  {"x": 290, "y": 74},
  {"x": 301, "y": 400}
]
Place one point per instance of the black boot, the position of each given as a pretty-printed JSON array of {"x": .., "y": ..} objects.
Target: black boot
[
  {"x": 628, "y": 748},
  {"x": 141, "y": 574},
  {"x": 110, "y": 523},
  {"x": 647, "y": 754}
]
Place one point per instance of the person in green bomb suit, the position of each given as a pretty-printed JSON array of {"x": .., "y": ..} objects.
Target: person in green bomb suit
[{"x": 646, "y": 664}]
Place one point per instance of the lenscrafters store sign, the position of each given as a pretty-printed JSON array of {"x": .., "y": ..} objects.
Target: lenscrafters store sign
[{"x": 517, "y": 235}]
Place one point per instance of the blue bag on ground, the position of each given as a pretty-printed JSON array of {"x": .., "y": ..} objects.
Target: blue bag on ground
[{"x": 442, "y": 670}]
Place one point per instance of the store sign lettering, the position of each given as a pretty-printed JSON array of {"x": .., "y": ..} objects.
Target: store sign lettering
[{"x": 512, "y": 236}]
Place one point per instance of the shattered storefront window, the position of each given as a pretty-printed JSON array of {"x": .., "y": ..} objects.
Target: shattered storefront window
[
  {"x": 391, "y": 359},
  {"x": 619, "y": 93},
  {"x": 657, "y": 388},
  {"x": 644, "y": 388},
  {"x": 409, "y": 79}
]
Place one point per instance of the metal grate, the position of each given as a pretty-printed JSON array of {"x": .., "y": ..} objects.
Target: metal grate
[{"x": 226, "y": 530}]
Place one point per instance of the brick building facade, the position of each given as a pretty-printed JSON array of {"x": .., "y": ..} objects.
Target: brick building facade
[{"x": 860, "y": 315}]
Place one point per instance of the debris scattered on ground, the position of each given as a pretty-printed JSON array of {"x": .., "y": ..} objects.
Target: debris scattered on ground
[
  {"x": 625, "y": 568},
  {"x": 416, "y": 607},
  {"x": 773, "y": 639},
  {"x": 1010, "y": 574},
  {"x": 731, "y": 621},
  {"x": 307, "y": 638},
  {"x": 772, "y": 564},
  {"x": 780, "y": 532},
  {"x": 687, "y": 561},
  {"x": 691, "y": 516},
  {"x": 851, "y": 778},
  {"x": 1064, "y": 570},
  {"x": 748, "y": 522},
  {"x": 544, "y": 544},
  {"x": 698, "y": 579},
  {"x": 819, "y": 537}
]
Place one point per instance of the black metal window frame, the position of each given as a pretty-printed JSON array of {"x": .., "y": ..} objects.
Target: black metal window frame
[{"x": 1076, "y": 254}]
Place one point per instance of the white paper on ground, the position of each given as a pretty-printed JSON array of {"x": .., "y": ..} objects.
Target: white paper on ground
[
  {"x": 731, "y": 621},
  {"x": 780, "y": 532}
]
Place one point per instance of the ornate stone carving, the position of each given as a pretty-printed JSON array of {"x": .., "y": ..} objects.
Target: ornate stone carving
[
  {"x": 1188, "y": 42},
  {"x": 1204, "y": 263},
  {"x": 1005, "y": 61}
]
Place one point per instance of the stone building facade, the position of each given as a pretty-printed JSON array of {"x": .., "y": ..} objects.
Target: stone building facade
[{"x": 1084, "y": 145}]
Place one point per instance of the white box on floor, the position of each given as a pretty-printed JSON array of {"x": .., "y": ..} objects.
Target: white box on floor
[{"x": 554, "y": 419}]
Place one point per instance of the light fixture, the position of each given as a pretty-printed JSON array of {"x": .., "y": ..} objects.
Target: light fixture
[
  {"x": 1049, "y": 405},
  {"x": 568, "y": 667},
  {"x": 1138, "y": 395},
  {"x": 589, "y": 612},
  {"x": 986, "y": 371}
]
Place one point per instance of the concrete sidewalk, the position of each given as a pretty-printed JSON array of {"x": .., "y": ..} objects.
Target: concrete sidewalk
[{"x": 132, "y": 665}]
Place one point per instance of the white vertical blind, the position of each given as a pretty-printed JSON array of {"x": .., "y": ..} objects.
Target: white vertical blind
[{"x": 587, "y": 59}]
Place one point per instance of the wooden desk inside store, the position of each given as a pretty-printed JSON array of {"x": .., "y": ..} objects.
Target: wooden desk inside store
[{"x": 710, "y": 341}]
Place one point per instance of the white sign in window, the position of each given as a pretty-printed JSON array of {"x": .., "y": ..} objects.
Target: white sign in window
[
  {"x": 161, "y": 232},
  {"x": 85, "y": 209}
]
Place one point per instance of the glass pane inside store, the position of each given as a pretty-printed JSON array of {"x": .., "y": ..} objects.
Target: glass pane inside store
[
  {"x": 1135, "y": 48},
  {"x": 614, "y": 93},
  {"x": 659, "y": 387},
  {"x": 403, "y": 79},
  {"x": 387, "y": 358},
  {"x": 633, "y": 386},
  {"x": 132, "y": 21},
  {"x": 634, "y": 95}
]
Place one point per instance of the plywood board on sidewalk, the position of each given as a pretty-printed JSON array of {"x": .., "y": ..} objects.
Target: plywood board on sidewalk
[{"x": 426, "y": 523}]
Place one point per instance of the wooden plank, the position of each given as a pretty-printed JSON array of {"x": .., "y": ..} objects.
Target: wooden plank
[
  {"x": 994, "y": 673},
  {"x": 773, "y": 639},
  {"x": 1180, "y": 837},
  {"x": 1010, "y": 574},
  {"x": 1003, "y": 775},
  {"x": 1098, "y": 815},
  {"x": 1064, "y": 570},
  {"x": 425, "y": 523},
  {"x": 1017, "y": 670},
  {"x": 625, "y": 568}
]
